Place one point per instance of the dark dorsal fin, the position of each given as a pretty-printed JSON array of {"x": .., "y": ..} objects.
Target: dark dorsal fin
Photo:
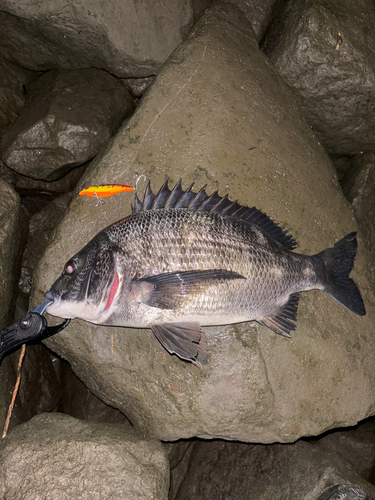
[{"x": 201, "y": 201}]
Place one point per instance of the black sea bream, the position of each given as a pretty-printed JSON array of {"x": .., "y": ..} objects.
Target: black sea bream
[{"x": 183, "y": 260}]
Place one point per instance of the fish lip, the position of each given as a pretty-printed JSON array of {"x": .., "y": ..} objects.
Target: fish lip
[{"x": 52, "y": 295}]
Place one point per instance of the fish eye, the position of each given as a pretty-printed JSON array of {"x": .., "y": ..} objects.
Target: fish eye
[{"x": 70, "y": 266}]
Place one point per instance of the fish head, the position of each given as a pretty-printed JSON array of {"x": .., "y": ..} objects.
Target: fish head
[{"x": 85, "y": 286}]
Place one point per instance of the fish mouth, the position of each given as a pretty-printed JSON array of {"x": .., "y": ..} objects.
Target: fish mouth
[
  {"x": 52, "y": 295},
  {"x": 56, "y": 307}
]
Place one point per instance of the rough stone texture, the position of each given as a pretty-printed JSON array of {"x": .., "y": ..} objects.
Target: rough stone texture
[
  {"x": 7, "y": 380},
  {"x": 40, "y": 389},
  {"x": 357, "y": 446},
  {"x": 217, "y": 113},
  {"x": 68, "y": 117},
  {"x": 41, "y": 227},
  {"x": 58, "y": 457},
  {"x": 342, "y": 164},
  {"x": 138, "y": 86},
  {"x": 335, "y": 89},
  {"x": 359, "y": 184},
  {"x": 227, "y": 471},
  {"x": 11, "y": 231},
  {"x": 28, "y": 187},
  {"x": 127, "y": 38},
  {"x": 179, "y": 460},
  {"x": 79, "y": 402},
  {"x": 258, "y": 13},
  {"x": 12, "y": 236},
  {"x": 14, "y": 82}
]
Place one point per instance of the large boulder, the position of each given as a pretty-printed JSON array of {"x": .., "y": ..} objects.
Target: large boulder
[
  {"x": 217, "y": 113},
  {"x": 259, "y": 13},
  {"x": 126, "y": 38},
  {"x": 41, "y": 190},
  {"x": 12, "y": 238},
  {"x": 13, "y": 89},
  {"x": 359, "y": 185},
  {"x": 263, "y": 472},
  {"x": 325, "y": 51},
  {"x": 67, "y": 119},
  {"x": 55, "y": 456},
  {"x": 12, "y": 235}
]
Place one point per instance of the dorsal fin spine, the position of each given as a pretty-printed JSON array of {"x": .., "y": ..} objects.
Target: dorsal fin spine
[{"x": 200, "y": 201}]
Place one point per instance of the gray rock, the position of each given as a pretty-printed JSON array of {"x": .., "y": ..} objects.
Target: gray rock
[
  {"x": 42, "y": 190},
  {"x": 138, "y": 86},
  {"x": 258, "y": 13},
  {"x": 179, "y": 460},
  {"x": 68, "y": 117},
  {"x": 14, "y": 82},
  {"x": 58, "y": 457},
  {"x": 7, "y": 380},
  {"x": 359, "y": 184},
  {"x": 218, "y": 113},
  {"x": 41, "y": 227},
  {"x": 228, "y": 471},
  {"x": 126, "y": 38},
  {"x": 312, "y": 473},
  {"x": 40, "y": 388},
  {"x": 334, "y": 88},
  {"x": 11, "y": 240},
  {"x": 357, "y": 446},
  {"x": 81, "y": 403}
]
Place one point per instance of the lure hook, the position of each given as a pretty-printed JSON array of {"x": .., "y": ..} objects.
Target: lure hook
[
  {"x": 99, "y": 200},
  {"x": 139, "y": 177}
]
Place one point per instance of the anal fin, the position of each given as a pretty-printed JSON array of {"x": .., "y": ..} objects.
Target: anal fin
[
  {"x": 186, "y": 340},
  {"x": 282, "y": 323}
]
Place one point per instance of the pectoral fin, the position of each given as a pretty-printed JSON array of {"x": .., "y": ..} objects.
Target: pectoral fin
[
  {"x": 184, "y": 339},
  {"x": 280, "y": 323},
  {"x": 166, "y": 290}
]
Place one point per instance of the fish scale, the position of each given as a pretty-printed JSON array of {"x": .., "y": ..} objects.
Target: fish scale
[{"x": 183, "y": 260}]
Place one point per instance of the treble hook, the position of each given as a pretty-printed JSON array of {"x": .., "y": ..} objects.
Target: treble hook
[{"x": 99, "y": 201}]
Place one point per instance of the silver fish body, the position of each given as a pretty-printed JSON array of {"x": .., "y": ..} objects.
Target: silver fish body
[{"x": 184, "y": 260}]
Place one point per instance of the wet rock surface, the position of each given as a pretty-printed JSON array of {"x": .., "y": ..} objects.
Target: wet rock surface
[
  {"x": 207, "y": 108},
  {"x": 41, "y": 227},
  {"x": 325, "y": 53},
  {"x": 14, "y": 82},
  {"x": 12, "y": 239},
  {"x": 79, "y": 402},
  {"x": 56, "y": 456},
  {"x": 127, "y": 39},
  {"x": 359, "y": 185},
  {"x": 67, "y": 119},
  {"x": 225, "y": 470},
  {"x": 216, "y": 113},
  {"x": 42, "y": 191}
]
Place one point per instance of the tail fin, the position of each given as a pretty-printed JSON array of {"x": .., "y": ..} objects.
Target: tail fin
[{"x": 339, "y": 262}]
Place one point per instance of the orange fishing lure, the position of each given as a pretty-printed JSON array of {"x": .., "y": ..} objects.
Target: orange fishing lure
[{"x": 105, "y": 190}]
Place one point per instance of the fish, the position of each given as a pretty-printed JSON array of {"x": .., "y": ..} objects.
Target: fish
[
  {"x": 183, "y": 260},
  {"x": 105, "y": 190}
]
